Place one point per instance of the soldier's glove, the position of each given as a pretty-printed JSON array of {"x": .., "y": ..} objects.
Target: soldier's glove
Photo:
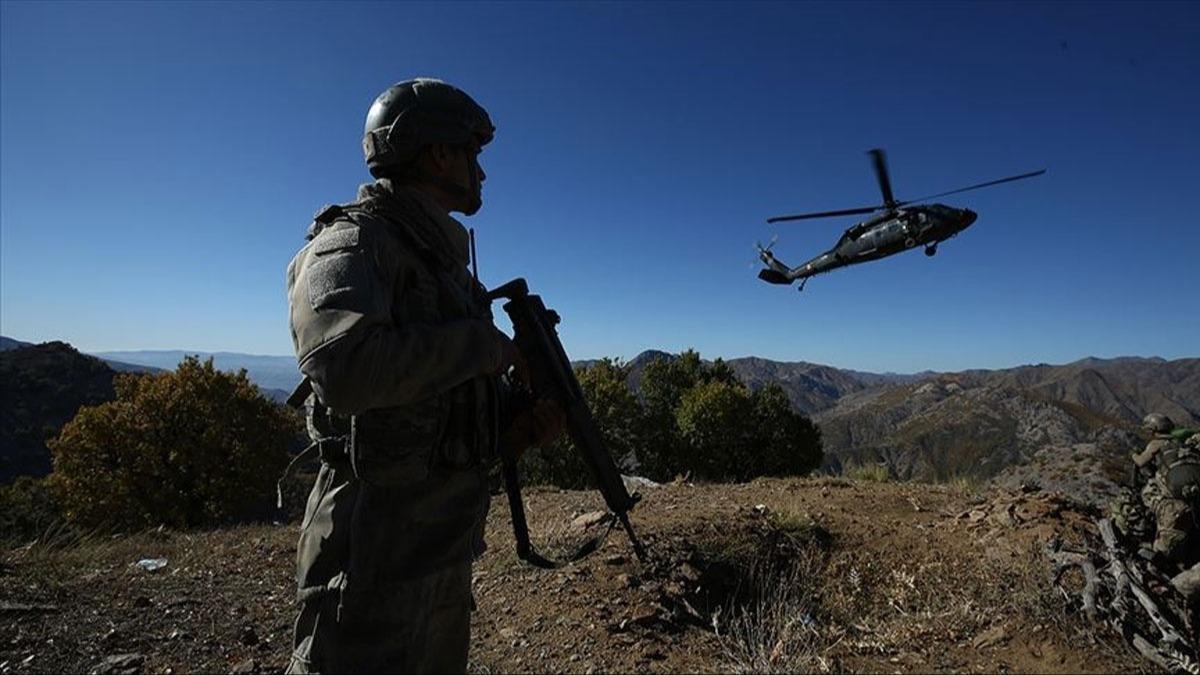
[
  {"x": 510, "y": 357},
  {"x": 537, "y": 426}
]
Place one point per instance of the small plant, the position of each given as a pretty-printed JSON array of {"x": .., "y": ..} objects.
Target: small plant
[
  {"x": 777, "y": 631},
  {"x": 872, "y": 472},
  {"x": 799, "y": 526},
  {"x": 967, "y": 483}
]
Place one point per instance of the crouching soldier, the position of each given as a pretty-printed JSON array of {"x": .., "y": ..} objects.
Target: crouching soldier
[{"x": 1172, "y": 490}]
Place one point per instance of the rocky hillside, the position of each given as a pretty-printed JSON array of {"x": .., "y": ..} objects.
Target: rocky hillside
[
  {"x": 1071, "y": 427},
  {"x": 42, "y": 387}
]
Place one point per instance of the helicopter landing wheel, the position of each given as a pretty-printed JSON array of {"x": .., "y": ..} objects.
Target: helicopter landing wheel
[
  {"x": 931, "y": 250},
  {"x": 910, "y": 242}
]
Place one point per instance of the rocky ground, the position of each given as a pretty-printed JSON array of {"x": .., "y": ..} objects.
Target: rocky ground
[{"x": 775, "y": 575}]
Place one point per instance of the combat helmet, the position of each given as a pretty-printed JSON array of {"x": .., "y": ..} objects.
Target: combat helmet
[
  {"x": 1158, "y": 423},
  {"x": 416, "y": 113}
]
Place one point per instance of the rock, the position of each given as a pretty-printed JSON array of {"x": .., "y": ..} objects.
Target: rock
[
  {"x": 645, "y": 615},
  {"x": 120, "y": 664},
  {"x": 1003, "y": 517},
  {"x": 615, "y": 559},
  {"x": 688, "y": 572},
  {"x": 628, "y": 581},
  {"x": 990, "y": 638},
  {"x": 1187, "y": 582},
  {"x": 591, "y": 519},
  {"x": 245, "y": 667},
  {"x": 632, "y": 483}
]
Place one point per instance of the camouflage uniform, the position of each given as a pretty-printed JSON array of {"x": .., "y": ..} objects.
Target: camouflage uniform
[
  {"x": 397, "y": 339},
  {"x": 1171, "y": 492}
]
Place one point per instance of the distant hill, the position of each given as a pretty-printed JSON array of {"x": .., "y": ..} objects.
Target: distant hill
[
  {"x": 9, "y": 343},
  {"x": 1071, "y": 423},
  {"x": 1071, "y": 426},
  {"x": 42, "y": 387},
  {"x": 1068, "y": 426},
  {"x": 276, "y": 375}
]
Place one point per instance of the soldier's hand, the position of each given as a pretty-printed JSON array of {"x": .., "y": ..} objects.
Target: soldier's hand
[
  {"x": 510, "y": 357},
  {"x": 537, "y": 427}
]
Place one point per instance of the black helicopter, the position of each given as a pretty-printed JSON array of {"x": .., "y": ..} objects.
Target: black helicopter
[{"x": 896, "y": 228}]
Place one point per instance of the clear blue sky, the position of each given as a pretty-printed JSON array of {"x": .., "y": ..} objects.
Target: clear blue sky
[{"x": 160, "y": 162}]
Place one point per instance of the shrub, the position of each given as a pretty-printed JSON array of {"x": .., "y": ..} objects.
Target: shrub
[
  {"x": 663, "y": 453},
  {"x": 27, "y": 509},
  {"x": 715, "y": 421},
  {"x": 874, "y": 472},
  {"x": 692, "y": 417},
  {"x": 192, "y": 447},
  {"x": 786, "y": 443},
  {"x": 618, "y": 416}
]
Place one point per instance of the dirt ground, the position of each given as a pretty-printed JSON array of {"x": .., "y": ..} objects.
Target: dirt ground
[{"x": 774, "y": 575}]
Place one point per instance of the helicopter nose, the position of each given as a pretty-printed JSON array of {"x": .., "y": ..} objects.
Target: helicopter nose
[{"x": 968, "y": 217}]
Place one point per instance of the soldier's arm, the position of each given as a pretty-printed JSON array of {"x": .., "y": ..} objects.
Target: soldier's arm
[{"x": 347, "y": 343}]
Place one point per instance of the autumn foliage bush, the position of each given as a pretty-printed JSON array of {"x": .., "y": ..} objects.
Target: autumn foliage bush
[{"x": 197, "y": 446}]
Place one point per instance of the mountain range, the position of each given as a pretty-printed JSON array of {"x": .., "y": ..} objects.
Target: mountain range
[
  {"x": 1069, "y": 426},
  {"x": 277, "y": 375}
]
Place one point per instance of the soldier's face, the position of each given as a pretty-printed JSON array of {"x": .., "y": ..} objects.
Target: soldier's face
[{"x": 467, "y": 172}]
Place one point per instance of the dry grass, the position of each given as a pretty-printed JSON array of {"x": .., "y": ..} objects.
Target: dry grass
[
  {"x": 873, "y": 472},
  {"x": 776, "y": 630},
  {"x": 968, "y": 484},
  {"x": 850, "y": 605}
]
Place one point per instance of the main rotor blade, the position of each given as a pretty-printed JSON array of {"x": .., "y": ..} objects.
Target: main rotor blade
[
  {"x": 881, "y": 173},
  {"x": 825, "y": 214},
  {"x": 976, "y": 187}
]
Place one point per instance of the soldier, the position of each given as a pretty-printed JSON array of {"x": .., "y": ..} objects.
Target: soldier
[
  {"x": 1171, "y": 491},
  {"x": 396, "y": 337}
]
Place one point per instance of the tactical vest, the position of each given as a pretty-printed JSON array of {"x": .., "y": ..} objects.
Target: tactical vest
[{"x": 456, "y": 429}]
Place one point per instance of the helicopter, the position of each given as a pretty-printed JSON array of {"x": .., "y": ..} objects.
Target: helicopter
[{"x": 896, "y": 226}]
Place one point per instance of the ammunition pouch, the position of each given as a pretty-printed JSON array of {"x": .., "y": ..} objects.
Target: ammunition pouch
[
  {"x": 399, "y": 446},
  {"x": 391, "y": 447}
]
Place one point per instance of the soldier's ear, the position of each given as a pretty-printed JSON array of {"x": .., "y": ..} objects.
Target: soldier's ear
[{"x": 441, "y": 157}]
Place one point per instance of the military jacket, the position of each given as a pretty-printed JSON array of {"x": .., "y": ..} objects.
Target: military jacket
[{"x": 398, "y": 341}]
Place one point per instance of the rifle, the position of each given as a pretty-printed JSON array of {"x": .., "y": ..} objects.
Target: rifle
[{"x": 551, "y": 377}]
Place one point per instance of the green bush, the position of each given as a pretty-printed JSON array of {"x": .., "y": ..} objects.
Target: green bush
[
  {"x": 663, "y": 453},
  {"x": 716, "y": 423},
  {"x": 192, "y": 447},
  {"x": 617, "y": 414},
  {"x": 786, "y": 442},
  {"x": 692, "y": 418}
]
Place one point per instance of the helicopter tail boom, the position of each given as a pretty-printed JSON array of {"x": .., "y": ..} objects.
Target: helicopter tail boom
[{"x": 774, "y": 276}]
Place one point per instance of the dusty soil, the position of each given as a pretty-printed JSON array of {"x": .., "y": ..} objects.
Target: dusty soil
[{"x": 773, "y": 575}]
